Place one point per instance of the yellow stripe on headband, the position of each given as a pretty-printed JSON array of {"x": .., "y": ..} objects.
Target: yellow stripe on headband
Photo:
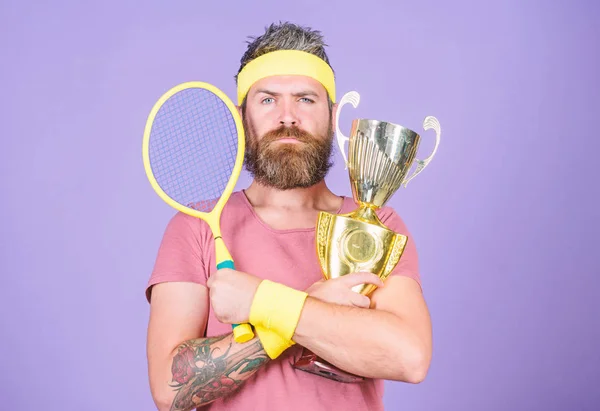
[{"x": 282, "y": 63}]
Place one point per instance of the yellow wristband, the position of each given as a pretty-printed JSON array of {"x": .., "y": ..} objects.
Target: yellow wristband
[
  {"x": 272, "y": 342},
  {"x": 277, "y": 307}
]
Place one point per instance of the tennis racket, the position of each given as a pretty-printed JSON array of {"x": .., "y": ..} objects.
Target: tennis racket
[{"x": 193, "y": 152}]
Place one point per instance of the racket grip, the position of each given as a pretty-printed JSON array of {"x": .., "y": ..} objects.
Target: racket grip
[{"x": 241, "y": 332}]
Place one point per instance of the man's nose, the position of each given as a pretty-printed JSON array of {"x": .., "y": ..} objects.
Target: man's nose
[{"x": 288, "y": 114}]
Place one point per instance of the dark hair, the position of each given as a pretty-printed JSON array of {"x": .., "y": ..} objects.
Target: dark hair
[{"x": 284, "y": 36}]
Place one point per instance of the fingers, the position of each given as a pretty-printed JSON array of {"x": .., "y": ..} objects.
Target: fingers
[
  {"x": 360, "y": 300},
  {"x": 353, "y": 279}
]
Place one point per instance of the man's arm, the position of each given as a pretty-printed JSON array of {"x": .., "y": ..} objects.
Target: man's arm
[
  {"x": 392, "y": 340},
  {"x": 185, "y": 369}
]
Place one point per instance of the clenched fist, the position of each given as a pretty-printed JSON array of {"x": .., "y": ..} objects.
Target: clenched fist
[
  {"x": 231, "y": 295},
  {"x": 339, "y": 290}
]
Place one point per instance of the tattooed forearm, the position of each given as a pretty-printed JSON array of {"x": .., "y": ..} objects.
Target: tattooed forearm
[{"x": 209, "y": 368}]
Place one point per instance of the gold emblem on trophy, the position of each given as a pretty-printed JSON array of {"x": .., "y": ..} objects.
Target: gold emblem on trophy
[{"x": 380, "y": 155}]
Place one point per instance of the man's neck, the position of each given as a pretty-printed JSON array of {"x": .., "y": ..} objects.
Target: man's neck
[{"x": 318, "y": 197}]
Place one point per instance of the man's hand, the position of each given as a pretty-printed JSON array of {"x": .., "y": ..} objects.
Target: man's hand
[
  {"x": 231, "y": 294},
  {"x": 339, "y": 290}
]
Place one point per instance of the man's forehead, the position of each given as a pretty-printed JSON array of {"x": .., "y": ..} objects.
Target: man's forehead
[{"x": 288, "y": 84}]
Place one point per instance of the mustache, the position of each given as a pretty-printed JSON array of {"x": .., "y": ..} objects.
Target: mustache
[{"x": 287, "y": 132}]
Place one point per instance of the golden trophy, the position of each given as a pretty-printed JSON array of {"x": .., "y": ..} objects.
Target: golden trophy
[{"x": 380, "y": 155}]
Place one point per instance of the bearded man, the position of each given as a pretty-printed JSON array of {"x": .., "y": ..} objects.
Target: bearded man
[{"x": 286, "y": 97}]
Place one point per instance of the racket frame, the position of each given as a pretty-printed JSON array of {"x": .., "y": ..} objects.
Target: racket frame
[{"x": 242, "y": 332}]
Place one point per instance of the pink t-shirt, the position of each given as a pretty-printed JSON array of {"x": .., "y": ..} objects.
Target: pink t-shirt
[{"x": 285, "y": 256}]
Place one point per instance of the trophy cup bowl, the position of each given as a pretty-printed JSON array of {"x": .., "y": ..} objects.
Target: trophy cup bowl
[{"x": 380, "y": 156}]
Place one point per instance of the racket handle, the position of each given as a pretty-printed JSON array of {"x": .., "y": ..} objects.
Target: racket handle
[{"x": 241, "y": 332}]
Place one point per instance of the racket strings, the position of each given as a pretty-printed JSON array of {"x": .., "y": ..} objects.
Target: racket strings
[{"x": 193, "y": 148}]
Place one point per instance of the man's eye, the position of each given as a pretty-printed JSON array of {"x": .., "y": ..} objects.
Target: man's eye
[
  {"x": 306, "y": 100},
  {"x": 268, "y": 100}
]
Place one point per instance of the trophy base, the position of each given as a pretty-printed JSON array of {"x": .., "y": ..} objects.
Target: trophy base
[
  {"x": 357, "y": 241},
  {"x": 311, "y": 363}
]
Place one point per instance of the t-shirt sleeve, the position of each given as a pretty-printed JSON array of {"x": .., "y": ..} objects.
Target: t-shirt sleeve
[
  {"x": 409, "y": 262},
  {"x": 179, "y": 256}
]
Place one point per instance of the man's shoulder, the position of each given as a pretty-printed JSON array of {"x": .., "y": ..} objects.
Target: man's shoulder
[
  {"x": 237, "y": 205},
  {"x": 183, "y": 220},
  {"x": 184, "y": 225},
  {"x": 392, "y": 219},
  {"x": 388, "y": 211}
]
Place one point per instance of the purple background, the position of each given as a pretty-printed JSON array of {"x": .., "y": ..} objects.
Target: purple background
[{"x": 505, "y": 217}]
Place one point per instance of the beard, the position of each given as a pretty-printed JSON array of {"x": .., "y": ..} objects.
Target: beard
[{"x": 287, "y": 166}]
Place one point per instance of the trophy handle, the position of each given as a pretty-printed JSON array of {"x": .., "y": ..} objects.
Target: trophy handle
[
  {"x": 429, "y": 122},
  {"x": 353, "y": 98}
]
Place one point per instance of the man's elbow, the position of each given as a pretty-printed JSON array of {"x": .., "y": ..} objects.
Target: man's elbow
[
  {"x": 417, "y": 375},
  {"x": 163, "y": 399},
  {"x": 420, "y": 366},
  {"x": 414, "y": 367},
  {"x": 162, "y": 393},
  {"x": 162, "y": 405}
]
